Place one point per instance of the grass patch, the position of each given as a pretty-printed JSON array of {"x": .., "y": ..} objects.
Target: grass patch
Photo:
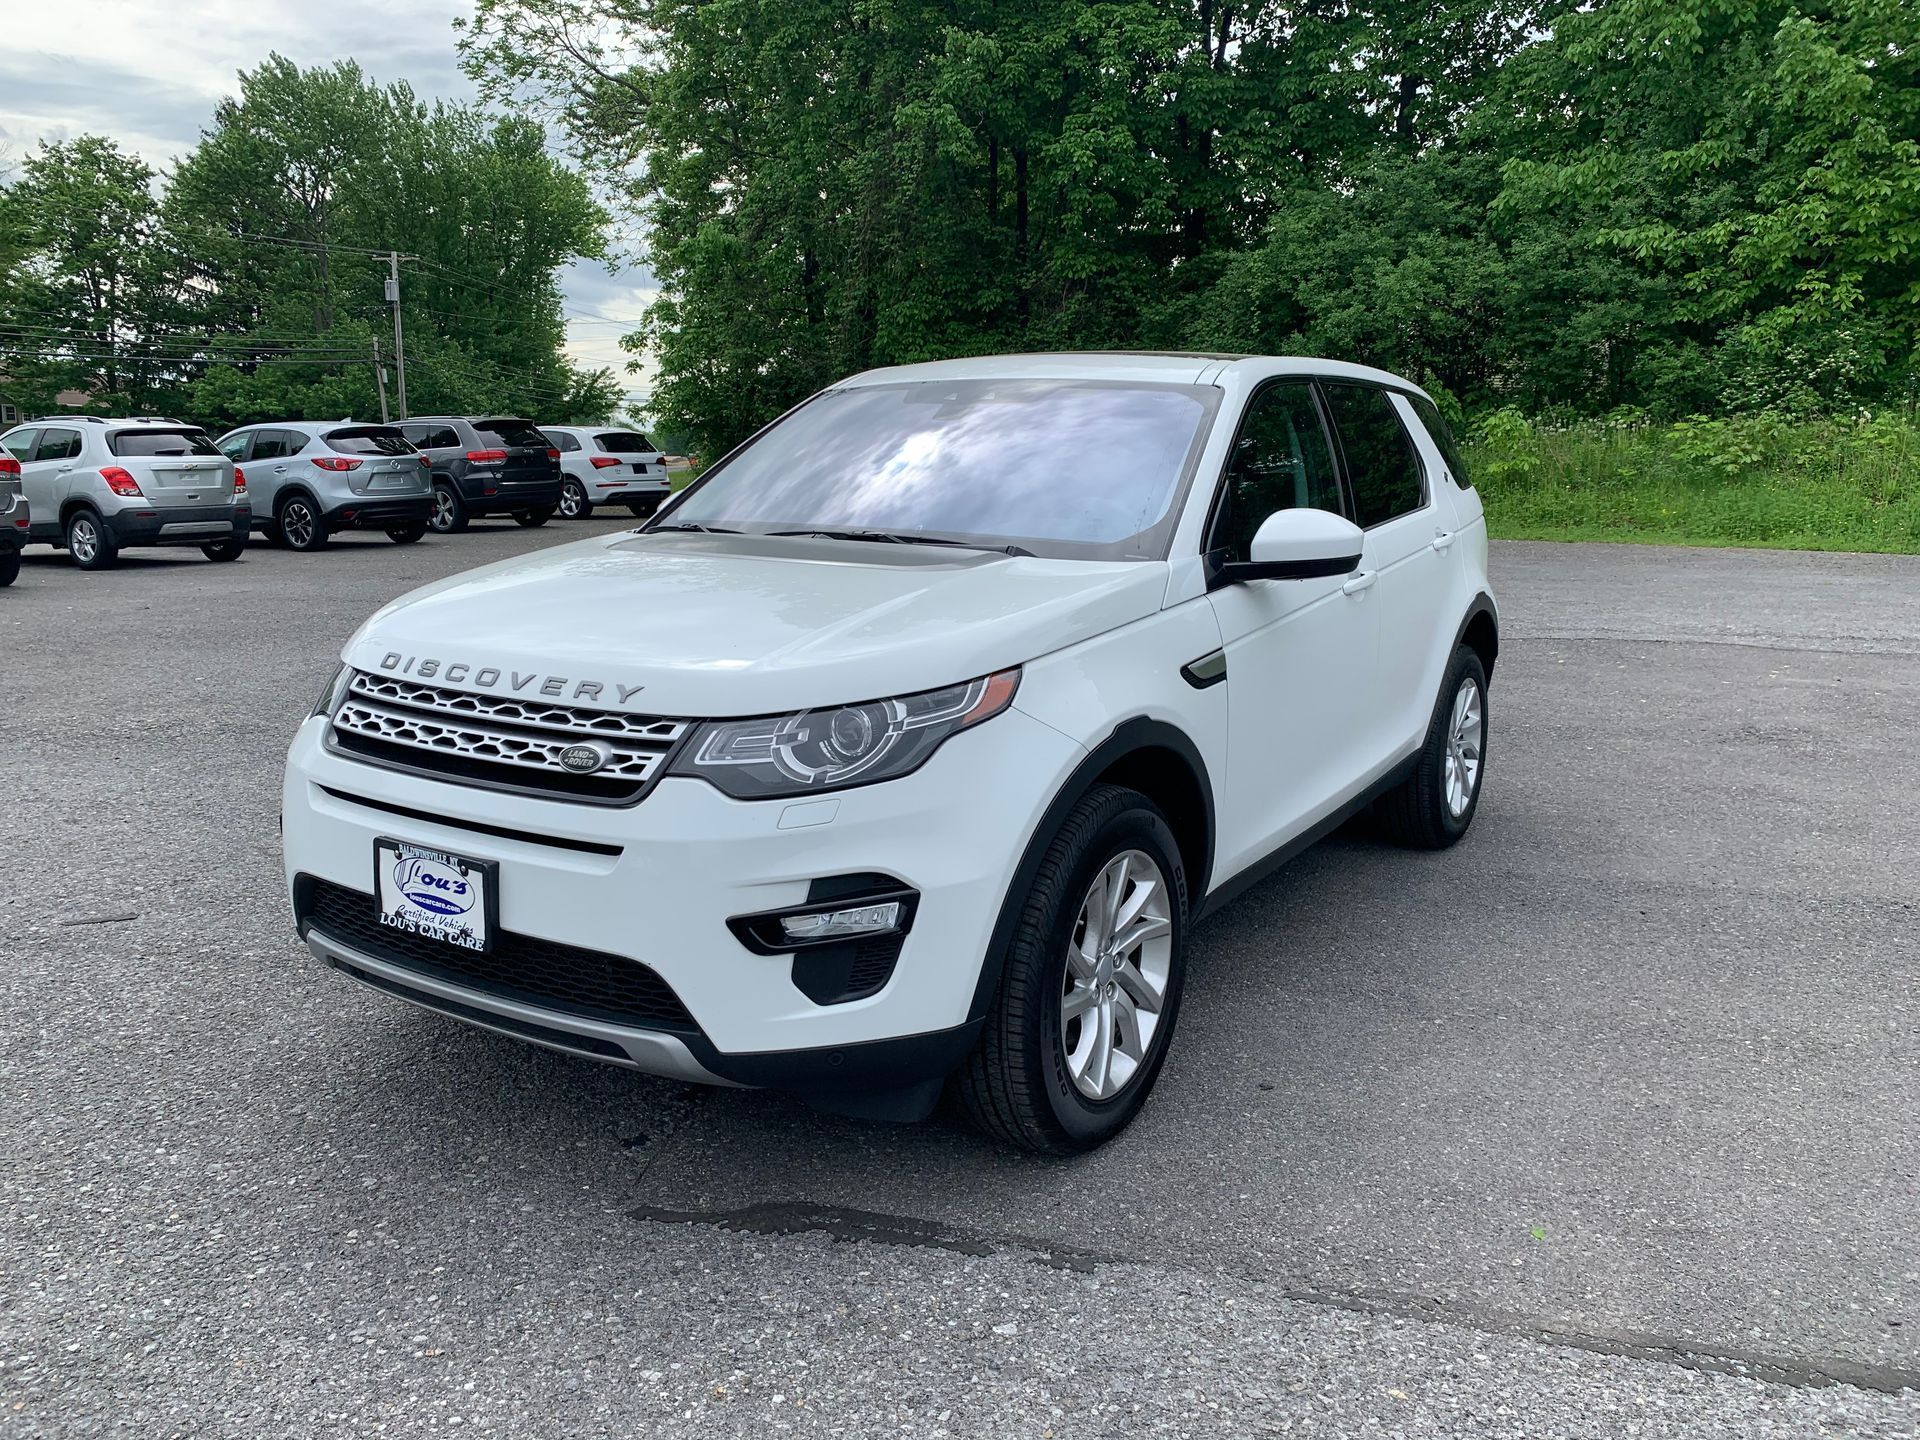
[{"x": 1761, "y": 480}]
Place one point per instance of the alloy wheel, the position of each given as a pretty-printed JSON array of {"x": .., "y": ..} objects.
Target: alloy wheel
[
  {"x": 1466, "y": 744},
  {"x": 83, "y": 541},
  {"x": 442, "y": 509},
  {"x": 296, "y": 523},
  {"x": 572, "y": 500},
  {"x": 1118, "y": 964}
]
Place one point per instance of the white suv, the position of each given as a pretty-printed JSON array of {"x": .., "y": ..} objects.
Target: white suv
[
  {"x": 964, "y": 689},
  {"x": 603, "y": 464},
  {"x": 98, "y": 486}
]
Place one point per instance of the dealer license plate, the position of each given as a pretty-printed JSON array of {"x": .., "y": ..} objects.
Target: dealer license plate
[{"x": 434, "y": 894}]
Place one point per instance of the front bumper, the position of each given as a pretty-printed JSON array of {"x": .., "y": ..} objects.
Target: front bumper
[
  {"x": 688, "y": 860},
  {"x": 379, "y": 512},
  {"x": 179, "y": 524}
]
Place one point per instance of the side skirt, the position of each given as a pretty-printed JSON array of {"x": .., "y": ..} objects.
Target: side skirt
[{"x": 1238, "y": 884}]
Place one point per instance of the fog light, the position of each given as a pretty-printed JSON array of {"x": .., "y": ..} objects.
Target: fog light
[{"x": 831, "y": 924}]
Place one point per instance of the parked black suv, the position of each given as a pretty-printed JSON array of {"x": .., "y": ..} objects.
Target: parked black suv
[{"x": 486, "y": 465}]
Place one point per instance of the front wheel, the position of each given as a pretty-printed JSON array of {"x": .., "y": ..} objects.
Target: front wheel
[
  {"x": 1432, "y": 808},
  {"x": 1091, "y": 985},
  {"x": 224, "y": 550},
  {"x": 574, "y": 504},
  {"x": 407, "y": 534},
  {"x": 528, "y": 519},
  {"x": 90, "y": 542}
]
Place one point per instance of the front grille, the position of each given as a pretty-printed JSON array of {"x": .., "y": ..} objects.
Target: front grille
[
  {"x": 502, "y": 741},
  {"x": 519, "y": 967}
]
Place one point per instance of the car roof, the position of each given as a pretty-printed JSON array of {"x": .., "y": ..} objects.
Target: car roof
[
  {"x": 315, "y": 425},
  {"x": 1165, "y": 367}
]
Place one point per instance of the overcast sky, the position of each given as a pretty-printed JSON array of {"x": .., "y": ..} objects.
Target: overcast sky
[{"x": 147, "y": 74}]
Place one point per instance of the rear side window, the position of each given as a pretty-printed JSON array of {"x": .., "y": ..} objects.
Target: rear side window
[
  {"x": 1281, "y": 461},
  {"x": 58, "y": 445},
  {"x": 624, "y": 442},
  {"x": 1381, "y": 465},
  {"x": 1443, "y": 440},
  {"x": 510, "y": 432},
  {"x": 275, "y": 444},
  {"x": 369, "y": 440},
  {"x": 561, "y": 440},
  {"x": 158, "y": 442},
  {"x": 20, "y": 444}
]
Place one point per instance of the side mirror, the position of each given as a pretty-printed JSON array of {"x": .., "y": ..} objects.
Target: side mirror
[{"x": 1297, "y": 545}]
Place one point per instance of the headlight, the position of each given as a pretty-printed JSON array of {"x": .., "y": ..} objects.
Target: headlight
[
  {"x": 818, "y": 750},
  {"x": 335, "y": 692}
]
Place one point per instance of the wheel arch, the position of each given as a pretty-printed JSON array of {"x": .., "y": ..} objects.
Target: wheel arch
[
  {"x": 301, "y": 489},
  {"x": 1161, "y": 762},
  {"x": 1480, "y": 632}
]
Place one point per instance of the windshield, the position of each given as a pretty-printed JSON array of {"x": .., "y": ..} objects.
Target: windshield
[
  {"x": 1075, "y": 468},
  {"x": 624, "y": 442},
  {"x": 160, "y": 442},
  {"x": 369, "y": 440},
  {"x": 511, "y": 433}
]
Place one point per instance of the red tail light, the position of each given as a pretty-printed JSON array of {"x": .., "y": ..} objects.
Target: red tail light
[
  {"x": 482, "y": 457},
  {"x": 427, "y": 460},
  {"x": 119, "y": 481},
  {"x": 8, "y": 465},
  {"x": 239, "y": 481},
  {"x": 602, "y": 462},
  {"x": 552, "y": 454},
  {"x": 334, "y": 462}
]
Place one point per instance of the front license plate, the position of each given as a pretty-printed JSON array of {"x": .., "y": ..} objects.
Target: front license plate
[{"x": 434, "y": 894}]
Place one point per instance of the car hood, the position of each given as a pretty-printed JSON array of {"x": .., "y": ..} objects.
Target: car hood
[{"x": 723, "y": 625}]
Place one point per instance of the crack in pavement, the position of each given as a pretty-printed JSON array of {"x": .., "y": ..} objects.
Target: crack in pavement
[{"x": 844, "y": 1225}]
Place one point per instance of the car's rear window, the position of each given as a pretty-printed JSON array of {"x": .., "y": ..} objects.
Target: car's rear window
[
  {"x": 369, "y": 440},
  {"x": 161, "y": 442},
  {"x": 625, "y": 442},
  {"x": 511, "y": 432}
]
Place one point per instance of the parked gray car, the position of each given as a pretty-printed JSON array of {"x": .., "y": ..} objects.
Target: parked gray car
[
  {"x": 98, "y": 486},
  {"x": 605, "y": 464},
  {"x": 487, "y": 465},
  {"x": 311, "y": 479},
  {"x": 15, "y": 516}
]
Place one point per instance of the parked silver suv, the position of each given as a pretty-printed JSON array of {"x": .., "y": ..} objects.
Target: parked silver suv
[
  {"x": 98, "y": 486},
  {"x": 313, "y": 478},
  {"x": 602, "y": 464}
]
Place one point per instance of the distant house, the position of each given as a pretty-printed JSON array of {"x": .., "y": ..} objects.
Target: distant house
[
  {"x": 12, "y": 413},
  {"x": 9, "y": 412}
]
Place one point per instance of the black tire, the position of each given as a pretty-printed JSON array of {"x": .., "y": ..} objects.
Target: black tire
[
  {"x": 1016, "y": 1085},
  {"x": 224, "y": 550},
  {"x": 95, "y": 549},
  {"x": 9, "y": 568},
  {"x": 644, "y": 508},
  {"x": 449, "y": 513},
  {"x": 1416, "y": 812},
  {"x": 574, "y": 503},
  {"x": 300, "y": 525},
  {"x": 407, "y": 534},
  {"x": 529, "y": 519}
]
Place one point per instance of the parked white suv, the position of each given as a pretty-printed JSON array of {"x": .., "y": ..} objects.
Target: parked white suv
[
  {"x": 964, "y": 689},
  {"x": 98, "y": 486},
  {"x": 604, "y": 464}
]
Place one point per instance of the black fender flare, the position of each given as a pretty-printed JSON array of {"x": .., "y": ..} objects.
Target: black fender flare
[
  {"x": 1482, "y": 604},
  {"x": 1128, "y": 737}
]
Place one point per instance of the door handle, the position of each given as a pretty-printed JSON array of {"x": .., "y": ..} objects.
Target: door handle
[
  {"x": 65, "y": 468},
  {"x": 1442, "y": 539},
  {"x": 1363, "y": 581}
]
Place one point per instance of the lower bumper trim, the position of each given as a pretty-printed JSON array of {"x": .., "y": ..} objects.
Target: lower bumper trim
[{"x": 652, "y": 1051}]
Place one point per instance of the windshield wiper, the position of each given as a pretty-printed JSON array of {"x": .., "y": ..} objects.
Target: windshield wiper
[
  {"x": 889, "y": 537},
  {"x": 689, "y": 529}
]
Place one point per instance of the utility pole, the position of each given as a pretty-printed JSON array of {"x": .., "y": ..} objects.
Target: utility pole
[
  {"x": 380, "y": 379},
  {"x": 399, "y": 338}
]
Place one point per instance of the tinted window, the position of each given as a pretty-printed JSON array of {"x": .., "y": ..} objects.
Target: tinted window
[
  {"x": 510, "y": 432},
  {"x": 561, "y": 440},
  {"x": 20, "y": 443},
  {"x": 59, "y": 445},
  {"x": 160, "y": 442},
  {"x": 1443, "y": 440},
  {"x": 1068, "y": 467},
  {"x": 1381, "y": 465},
  {"x": 369, "y": 440},
  {"x": 439, "y": 437},
  {"x": 271, "y": 444},
  {"x": 1281, "y": 461},
  {"x": 624, "y": 442}
]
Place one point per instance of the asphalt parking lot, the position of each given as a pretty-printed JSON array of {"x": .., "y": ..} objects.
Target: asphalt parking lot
[{"x": 1602, "y": 1123}]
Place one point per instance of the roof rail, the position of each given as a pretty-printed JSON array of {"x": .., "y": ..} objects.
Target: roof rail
[{"x": 67, "y": 419}]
